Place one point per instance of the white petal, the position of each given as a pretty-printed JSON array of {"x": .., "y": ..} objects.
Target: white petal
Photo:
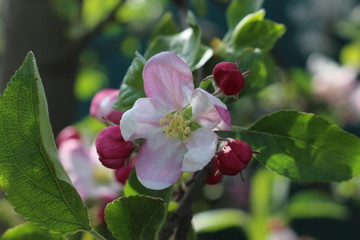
[
  {"x": 201, "y": 146},
  {"x": 158, "y": 163},
  {"x": 142, "y": 120},
  {"x": 168, "y": 77},
  {"x": 209, "y": 111}
]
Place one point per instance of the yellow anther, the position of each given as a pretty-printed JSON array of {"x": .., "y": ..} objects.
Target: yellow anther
[
  {"x": 187, "y": 130},
  {"x": 175, "y": 126},
  {"x": 162, "y": 121}
]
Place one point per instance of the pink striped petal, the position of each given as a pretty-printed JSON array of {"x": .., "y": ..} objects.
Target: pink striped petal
[
  {"x": 225, "y": 123},
  {"x": 209, "y": 111},
  {"x": 168, "y": 77},
  {"x": 142, "y": 120},
  {"x": 158, "y": 163},
  {"x": 201, "y": 146}
]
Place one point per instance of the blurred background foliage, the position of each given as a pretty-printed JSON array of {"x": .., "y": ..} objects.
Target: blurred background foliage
[{"x": 321, "y": 47}]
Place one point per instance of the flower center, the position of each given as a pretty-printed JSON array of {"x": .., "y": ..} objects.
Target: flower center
[
  {"x": 176, "y": 125},
  {"x": 102, "y": 175}
]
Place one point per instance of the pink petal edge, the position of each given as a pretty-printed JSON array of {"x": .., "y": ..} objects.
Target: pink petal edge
[{"x": 168, "y": 77}]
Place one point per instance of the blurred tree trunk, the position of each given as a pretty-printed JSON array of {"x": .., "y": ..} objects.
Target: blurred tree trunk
[{"x": 33, "y": 25}]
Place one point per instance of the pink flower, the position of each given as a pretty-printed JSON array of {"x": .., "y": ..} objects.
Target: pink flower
[
  {"x": 89, "y": 177},
  {"x": 176, "y": 121},
  {"x": 102, "y": 106},
  {"x": 331, "y": 81},
  {"x": 66, "y": 134}
]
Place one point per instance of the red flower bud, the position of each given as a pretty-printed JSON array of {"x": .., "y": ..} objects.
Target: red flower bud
[
  {"x": 228, "y": 78},
  {"x": 234, "y": 157},
  {"x": 123, "y": 173},
  {"x": 111, "y": 147},
  {"x": 215, "y": 176},
  {"x": 102, "y": 106},
  {"x": 67, "y": 133}
]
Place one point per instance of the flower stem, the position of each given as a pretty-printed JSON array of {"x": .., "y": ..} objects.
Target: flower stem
[
  {"x": 182, "y": 216},
  {"x": 238, "y": 128},
  {"x": 97, "y": 235}
]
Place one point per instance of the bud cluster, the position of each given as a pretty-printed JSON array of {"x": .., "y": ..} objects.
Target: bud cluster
[{"x": 113, "y": 151}]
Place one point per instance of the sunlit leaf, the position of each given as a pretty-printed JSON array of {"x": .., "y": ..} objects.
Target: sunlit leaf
[
  {"x": 135, "y": 217},
  {"x": 29, "y": 231},
  {"x": 185, "y": 44},
  {"x": 314, "y": 204},
  {"x": 304, "y": 147},
  {"x": 216, "y": 220},
  {"x": 238, "y": 9},
  {"x": 255, "y": 32},
  {"x": 30, "y": 173},
  {"x": 94, "y": 11}
]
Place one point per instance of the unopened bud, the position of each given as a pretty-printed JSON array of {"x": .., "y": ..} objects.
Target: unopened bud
[
  {"x": 215, "y": 176},
  {"x": 123, "y": 173},
  {"x": 111, "y": 147},
  {"x": 228, "y": 78},
  {"x": 234, "y": 157},
  {"x": 102, "y": 104}
]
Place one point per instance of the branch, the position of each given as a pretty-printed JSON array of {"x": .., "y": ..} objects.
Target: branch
[
  {"x": 181, "y": 215},
  {"x": 183, "y": 8}
]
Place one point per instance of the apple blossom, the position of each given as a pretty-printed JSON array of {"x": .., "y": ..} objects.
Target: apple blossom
[
  {"x": 89, "y": 177},
  {"x": 176, "y": 121},
  {"x": 66, "y": 134},
  {"x": 101, "y": 106},
  {"x": 331, "y": 81}
]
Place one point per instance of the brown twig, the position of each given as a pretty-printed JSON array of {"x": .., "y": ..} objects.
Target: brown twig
[
  {"x": 183, "y": 8},
  {"x": 182, "y": 216}
]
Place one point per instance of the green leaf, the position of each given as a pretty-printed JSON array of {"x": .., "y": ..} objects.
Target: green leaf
[
  {"x": 166, "y": 26},
  {"x": 28, "y": 231},
  {"x": 185, "y": 44},
  {"x": 205, "y": 84},
  {"x": 200, "y": 7},
  {"x": 238, "y": 9},
  {"x": 202, "y": 55},
  {"x": 304, "y": 147},
  {"x": 261, "y": 203},
  {"x": 132, "y": 86},
  {"x": 134, "y": 187},
  {"x": 256, "y": 32},
  {"x": 135, "y": 217},
  {"x": 34, "y": 181},
  {"x": 215, "y": 220},
  {"x": 314, "y": 204}
]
